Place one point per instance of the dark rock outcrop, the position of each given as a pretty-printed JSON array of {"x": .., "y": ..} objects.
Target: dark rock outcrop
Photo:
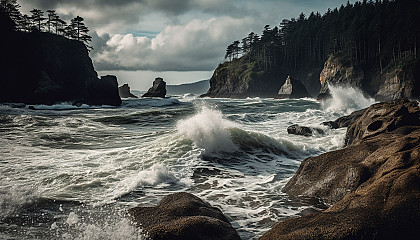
[
  {"x": 125, "y": 92},
  {"x": 304, "y": 131},
  {"x": 43, "y": 68},
  {"x": 183, "y": 216},
  {"x": 158, "y": 89},
  {"x": 292, "y": 88},
  {"x": 373, "y": 184},
  {"x": 103, "y": 91}
]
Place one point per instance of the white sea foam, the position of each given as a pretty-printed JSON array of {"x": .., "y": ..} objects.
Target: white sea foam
[
  {"x": 346, "y": 100},
  {"x": 208, "y": 130},
  {"x": 155, "y": 175},
  {"x": 13, "y": 199},
  {"x": 109, "y": 227}
]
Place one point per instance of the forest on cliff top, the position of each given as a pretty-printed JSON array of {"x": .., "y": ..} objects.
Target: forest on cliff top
[{"x": 369, "y": 33}]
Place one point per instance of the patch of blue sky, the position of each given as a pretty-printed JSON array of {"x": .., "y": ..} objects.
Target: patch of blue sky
[{"x": 148, "y": 34}]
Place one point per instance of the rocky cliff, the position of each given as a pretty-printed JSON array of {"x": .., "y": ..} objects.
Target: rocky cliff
[
  {"x": 398, "y": 80},
  {"x": 240, "y": 79},
  {"x": 42, "y": 68}
]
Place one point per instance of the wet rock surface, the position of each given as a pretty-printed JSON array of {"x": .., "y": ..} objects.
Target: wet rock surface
[
  {"x": 372, "y": 185},
  {"x": 304, "y": 131},
  {"x": 183, "y": 216}
]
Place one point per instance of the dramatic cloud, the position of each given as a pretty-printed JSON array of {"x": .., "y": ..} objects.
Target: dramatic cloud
[
  {"x": 172, "y": 35},
  {"x": 196, "y": 46}
]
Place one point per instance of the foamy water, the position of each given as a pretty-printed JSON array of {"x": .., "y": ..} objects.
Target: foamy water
[{"x": 71, "y": 173}]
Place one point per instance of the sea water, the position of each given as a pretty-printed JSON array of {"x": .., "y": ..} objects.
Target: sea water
[{"x": 71, "y": 172}]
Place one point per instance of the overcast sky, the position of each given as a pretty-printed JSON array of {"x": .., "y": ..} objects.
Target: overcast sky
[{"x": 179, "y": 40}]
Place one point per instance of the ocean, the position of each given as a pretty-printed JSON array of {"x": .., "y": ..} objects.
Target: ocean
[{"x": 71, "y": 172}]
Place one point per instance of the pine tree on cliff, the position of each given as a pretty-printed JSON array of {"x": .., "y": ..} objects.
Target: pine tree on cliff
[{"x": 77, "y": 30}]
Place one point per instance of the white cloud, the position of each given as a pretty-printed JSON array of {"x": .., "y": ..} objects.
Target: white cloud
[{"x": 196, "y": 46}]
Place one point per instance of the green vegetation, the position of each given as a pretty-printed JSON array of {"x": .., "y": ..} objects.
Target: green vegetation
[{"x": 370, "y": 34}]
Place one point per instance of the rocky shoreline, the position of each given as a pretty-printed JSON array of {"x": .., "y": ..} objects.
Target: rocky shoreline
[{"x": 372, "y": 187}]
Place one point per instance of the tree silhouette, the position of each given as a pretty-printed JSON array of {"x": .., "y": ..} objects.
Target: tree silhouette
[
  {"x": 77, "y": 30},
  {"x": 37, "y": 18},
  {"x": 11, "y": 9}
]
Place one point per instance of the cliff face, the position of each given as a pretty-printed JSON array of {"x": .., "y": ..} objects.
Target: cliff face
[
  {"x": 398, "y": 80},
  {"x": 42, "y": 68},
  {"x": 240, "y": 79},
  {"x": 339, "y": 71}
]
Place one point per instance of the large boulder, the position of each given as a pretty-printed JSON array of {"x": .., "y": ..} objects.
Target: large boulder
[
  {"x": 125, "y": 92},
  {"x": 303, "y": 130},
  {"x": 158, "y": 89},
  {"x": 184, "y": 216},
  {"x": 292, "y": 88},
  {"x": 373, "y": 185}
]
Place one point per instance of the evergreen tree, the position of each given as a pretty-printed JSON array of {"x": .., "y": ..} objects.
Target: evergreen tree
[
  {"x": 37, "y": 18},
  {"x": 77, "y": 30}
]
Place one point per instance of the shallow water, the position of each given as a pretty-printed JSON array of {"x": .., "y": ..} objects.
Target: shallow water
[{"x": 71, "y": 173}]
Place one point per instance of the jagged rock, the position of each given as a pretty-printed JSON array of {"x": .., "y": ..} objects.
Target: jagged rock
[
  {"x": 125, "y": 92},
  {"x": 43, "y": 68},
  {"x": 345, "y": 121},
  {"x": 373, "y": 184},
  {"x": 304, "y": 131},
  {"x": 292, "y": 88},
  {"x": 158, "y": 89},
  {"x": 339, "y": 70},
  {"x": 183, "y": 216}
]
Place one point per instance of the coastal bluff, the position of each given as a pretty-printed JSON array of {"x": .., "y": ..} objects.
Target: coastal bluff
[
  {"x": 44, "y": 68},
  {"x": 372, "y": 185}
]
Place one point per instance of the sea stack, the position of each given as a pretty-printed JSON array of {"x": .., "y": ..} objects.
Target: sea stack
[
  {"x": 125, "y": 92},
  {"x": 158, "y": 89},
  {"x": 292, "y": 88}
]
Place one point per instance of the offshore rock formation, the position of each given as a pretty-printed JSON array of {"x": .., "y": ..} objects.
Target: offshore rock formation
[
  {"x": 292, "y": 88},
  {"x": 158, "y": 89},
  {"x": 373, "y": 184},
  {"x": 125, "y": 92},
  {"x": 184, "y": 216},
  {"x": 42, "y": 68}
]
